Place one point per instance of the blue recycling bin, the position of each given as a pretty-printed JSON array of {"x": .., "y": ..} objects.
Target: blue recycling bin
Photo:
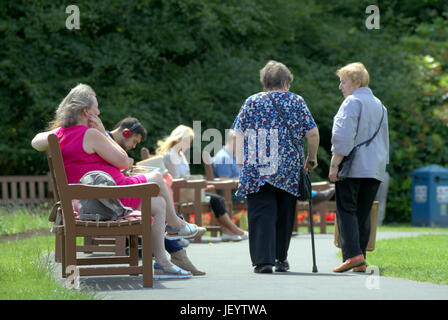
[{"x": 430, "y": 196}]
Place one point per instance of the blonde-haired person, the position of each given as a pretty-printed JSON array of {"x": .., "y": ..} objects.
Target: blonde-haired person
[
  {"x": 179, "y": 134},
  {"x": 359, "y": 117},
  {"x": 86, "y": 146},
  {"x": 172, "y": 148}
]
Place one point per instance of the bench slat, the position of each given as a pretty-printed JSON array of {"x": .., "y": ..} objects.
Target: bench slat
[
  {"x": 101, "y": 271},
  {"x": 5, "y": 195},
  {"x": 41, "y": 189},
  {"x": 23, "y": 194},
  {"x": 33, "y": 195},
  {"x": 22, "y": 189},
  {"x": 107, "y": 224},
  {"x": 14, "y": 191}
]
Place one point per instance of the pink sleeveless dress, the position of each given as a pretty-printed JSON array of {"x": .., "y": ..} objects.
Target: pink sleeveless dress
[{"x": 77, "y": 162}]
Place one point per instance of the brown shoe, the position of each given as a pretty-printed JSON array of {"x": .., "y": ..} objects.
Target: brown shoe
[
  {"x": 180, "y": 259},
  {"x": 362, "y": 268},
  {"x": 350, "y": 263}
]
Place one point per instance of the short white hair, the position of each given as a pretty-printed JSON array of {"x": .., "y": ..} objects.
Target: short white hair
[{"x": 356, "y": 72}]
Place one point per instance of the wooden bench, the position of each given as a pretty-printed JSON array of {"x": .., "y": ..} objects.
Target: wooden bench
[
  {"x": 116, "y": 245},
  {"x": 227, "y": 191},
  {"x": 196, "y": 207},
  {"x": 71, "y": 228},
  {"x": 25, "y": 189}
]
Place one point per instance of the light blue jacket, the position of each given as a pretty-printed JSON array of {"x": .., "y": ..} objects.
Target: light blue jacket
[{"x": 356, "y": 121}]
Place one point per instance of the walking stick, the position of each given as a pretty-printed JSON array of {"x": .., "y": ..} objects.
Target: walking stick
[{"x": 312, "y": 230}]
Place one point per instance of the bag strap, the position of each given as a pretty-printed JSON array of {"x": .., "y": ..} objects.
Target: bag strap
[{"x": 376, "y": 132}]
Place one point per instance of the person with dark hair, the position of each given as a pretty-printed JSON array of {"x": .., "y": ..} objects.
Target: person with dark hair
[{"x": 128, "y": 133}]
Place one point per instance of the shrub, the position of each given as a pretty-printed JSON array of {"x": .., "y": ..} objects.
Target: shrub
[{"x": 176, "y": 61}]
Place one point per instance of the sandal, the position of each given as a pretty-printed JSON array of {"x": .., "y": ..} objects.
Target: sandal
[
  {"x": 190, "y": 231},
  {"x": 171, "y": 272}
]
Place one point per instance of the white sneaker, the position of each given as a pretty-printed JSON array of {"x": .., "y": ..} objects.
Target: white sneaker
[
  {"x": 245, "y": 235},
  {"x": 189, "y": 231},
  {"x": 171, "y": 272},
  {"x": 230, "y": 237}
]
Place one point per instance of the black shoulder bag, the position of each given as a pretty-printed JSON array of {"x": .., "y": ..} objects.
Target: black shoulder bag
[
  {"x": 305, "y": 178},
  {"x": 345, "y": 165}
]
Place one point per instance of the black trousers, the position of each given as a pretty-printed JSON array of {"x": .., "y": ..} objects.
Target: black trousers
[
  {"x": 271, "y": 212},
  {"x": 354, "y": 199}
]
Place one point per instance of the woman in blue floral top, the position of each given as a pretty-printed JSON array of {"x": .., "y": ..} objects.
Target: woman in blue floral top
[{"x": 270, "y": 164}]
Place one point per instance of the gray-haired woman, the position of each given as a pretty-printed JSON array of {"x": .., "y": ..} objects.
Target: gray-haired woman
[
  {"x": 270, "y": 170},
  {"x": 359, "y": 117}
]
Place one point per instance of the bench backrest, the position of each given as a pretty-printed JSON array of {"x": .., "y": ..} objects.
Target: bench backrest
[
  {"x": 59, "y": 178},
  {"x": 25, "y": 189},
  {"x": 53, "y": 183}
]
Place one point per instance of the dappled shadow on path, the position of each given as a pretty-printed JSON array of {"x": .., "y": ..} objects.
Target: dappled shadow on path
[
  {"x": 112, "y": 283},
  {"x": 318, "y": 274},
  {"x": 122, "y": 283},
  {"x": 133, "y": 283}
]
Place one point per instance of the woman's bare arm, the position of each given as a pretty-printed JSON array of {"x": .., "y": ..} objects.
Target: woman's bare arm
[
  {"x": 40, "y": 142},
  {"x": 96, "y": 142},
  {"x": 313, "y": 139}
]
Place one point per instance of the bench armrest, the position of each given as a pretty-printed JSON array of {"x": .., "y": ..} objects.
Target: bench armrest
[
  {"x": 80, "y": 191},
  {"x": 195, "y": 184},
  {"x": 223, "y": 184}
]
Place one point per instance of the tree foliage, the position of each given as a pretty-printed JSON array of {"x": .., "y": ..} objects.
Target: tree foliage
[{"x": 177, "y": 61}]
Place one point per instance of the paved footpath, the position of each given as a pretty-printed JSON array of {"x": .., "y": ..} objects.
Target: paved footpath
[{"x": 230, "y": 276}]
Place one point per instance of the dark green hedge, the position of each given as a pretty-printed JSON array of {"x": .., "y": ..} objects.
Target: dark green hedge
[{"x": 172, "y": 62}]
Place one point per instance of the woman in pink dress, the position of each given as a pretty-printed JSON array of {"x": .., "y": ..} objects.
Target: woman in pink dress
[{"x": 86, "y": 146}]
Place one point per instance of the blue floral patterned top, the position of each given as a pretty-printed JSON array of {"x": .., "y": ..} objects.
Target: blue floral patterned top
[{"x": 269, "y": 153}]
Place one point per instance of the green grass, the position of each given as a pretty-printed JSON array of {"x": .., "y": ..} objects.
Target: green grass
[
  {"x": 18, "y": 219},
  {"x": 421, "y": 258},
  {"x": 408, "y": 228},
  {"x": 384, "y": 228},
  {"x": 26, "y": 272}
]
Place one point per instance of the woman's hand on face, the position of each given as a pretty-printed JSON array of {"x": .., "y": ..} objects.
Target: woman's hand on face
[{"x": 96, "y": 123}]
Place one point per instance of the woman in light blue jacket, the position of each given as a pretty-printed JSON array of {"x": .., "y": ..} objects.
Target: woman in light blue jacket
[{"x": 360, "y": 117}]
